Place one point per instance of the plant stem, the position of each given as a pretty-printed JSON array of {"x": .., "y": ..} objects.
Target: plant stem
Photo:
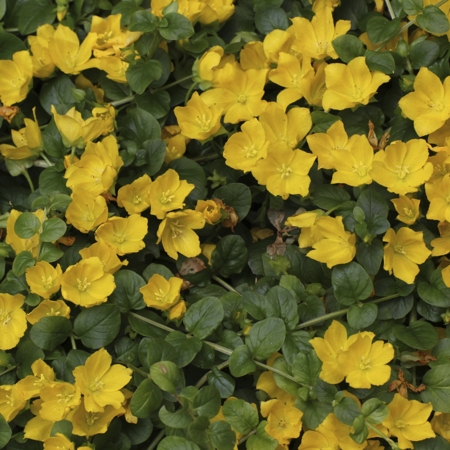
[
  {"x": 272, "y": 369},
  {"x": 156, "y": 440},
  {"x": 30, "y": 181},
  {"x": 389, "y": 7},
  {"x": 72, "y": 341},
  {"x": 203, "y": 379},
  {"x": 224, "y": 284},
  {"x": 244, "y": 438},
  {"x": 381, "y": 434},
  {"x": 72, "y": 154},
  {"x": 49, "y": 163},
  {"x": 136, "y": 369},
  {"x": 339, "y": 313},
  {"x": 122, "y": 101},
  {"x": 8, "y": 370},
  {"x": 151, "y": 322},
  {"x": 168, "y": 86}
]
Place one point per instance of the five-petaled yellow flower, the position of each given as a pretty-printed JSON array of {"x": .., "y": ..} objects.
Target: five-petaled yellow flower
[
  {"x": 160, "y": 293},
  {"x": 13, "y": 322}
]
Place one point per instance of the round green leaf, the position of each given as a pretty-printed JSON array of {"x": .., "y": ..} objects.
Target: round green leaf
[
  {"x": 5, "y": 432},
  {"x": 177, "y": 443},
  {"x": 419, "y": 335},
  {"x": 52, "y": 229},
  {"x": 362, "y": 315},
  {"x": 266, "y": 337},
  {"x": 351, "y": 283},
  {"x": 203, "y": 317},
  {"x": 49, "y": 332},
  {"x": 230, "y": 255},
  {"x": 27, "y": 225},
  {"x": 146, "y": 399},
  {"x": 240, "y": 415},
  {"x": 126, "y": 295},
  {"x": 236, "y": 195},
  {"x": 167, "y": 376}
]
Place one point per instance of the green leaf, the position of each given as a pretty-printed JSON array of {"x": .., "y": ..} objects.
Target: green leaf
[
  {"x": 22, "y": 262},
  {"x": 126, "y": 295},
  {"x": 203, "y": 317},
  {"x": 10, "y": 44},
  {"x": 433, "y": 20},
  {"x": 157, "y": 103},
  {"x": 220, "y": 435},
  {"x": 153, "y": 350},
  {"x": 380, "y": 61},
  {"x": 241, "y": 361},
  {"x": 374, "y": 411},
  {"x": 266, "y": 337},
  {"x": 269, "y": 19},
  {"x": 26, "y": 354},
  {"x": 178, "y": 27},
  {"x": 261, "y": 440},
  {"x": 97, "y": 326},
  {"x": 437, "y": 391},
  {"x": 322, "y": 121},
  {"x": 143, "y": 21},
  {"x": 126, "y": 8},
  {"x": 186, "y": 348},
  {"x": 351, "y": 283},
  {"x": 306, "y": 368},
  {"x": 327, "y": 196},
  {"x": 362, "y": 315},
  {"x": 139, "y": 126},
  {"x": 193, "y": 173},
  {"x": 155, "y": 152},
  {"x": 347, "y": 410},
  {"x": 50, "y": 253},
  {"x": 139, "y": 432},
  {"x": 27, "y": 225},
  {"x": 236, "y": 195},
  {"x": 412, "y": 7},
  {"x": 314, "y": 412},
  {"x": 230, "y": 255},
  {"x": 2, "y": 8},
  {"x": 52, "y": 230},
  {"x": 373, "y": 204},
  {"x": 146, "y": 399},
  {"x": 240, "y": 415},
  {"x": 222, "y": 382},
  {"x": 49, "y": 332},
  {"x": 176, "y": 419},
  {"x": 51, "y": 180},
  {"x": 142, "y": 73},
  {"x": 167, "y": 376},
  {"x": 5, "y": 432},
  {"x": 57, "y": 91},
  {"x": 282, "y": 381},
  {"x": 437, "y": 443},
  {"x": 280, "y": 302},
  {"x": 423, "y": 54},
  {"x": 207, "y": 402},
  {"x": 370, "y": 255},
  {"x": 34, "y": 13},
  {"x": 380, "y": 29},
  {"x": 435, "y": 293},
  {"x": 420, "y": 335},
  {"x": 348, "y": 47},
  {"x": 177, "y": 443}
]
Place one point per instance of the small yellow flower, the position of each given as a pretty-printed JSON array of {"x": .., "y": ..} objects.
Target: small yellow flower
[
  {"x": 441, "y": 425},
  {"x": 100, "y": 383},
  {"x": 175, "y": 142},
  {"x": 429, "y": 105},
  {"x": 43, "y": 65},
  {"x": 216, "y": 11},
  {"x": 48, "y": 308},
  {"x": 160, "y": 293},
  {"x": 31, "y": 385},
  {"x": 177, "y": 311},
  {"x": 44, "y": 279},
  {"x": 197, "y": 119},
  {"x": 106, "y": 254},
  {"x": 125, "y": 235},
  {"x": 58, "y": 442},
  {"x": 210, "y": 209},
  {"x": 13, "y": 322},
  {"x": 438, "y": 193},
  {"x": 86, "y": 284},
  {"x": 15, "y": 78},
  {"x": 407, "y": 209},
  {"x": 252, "y": 56},
  {"x": 403, "y": 252},
  {"x": 134, "y": 197},
  {"x": 107, "y": 150},
  {"x": 107, "y": 113},
  {"x": 408, "y": 421},
  {"x": 58, "y": 399},
  {"x": 12, "y": 401}
]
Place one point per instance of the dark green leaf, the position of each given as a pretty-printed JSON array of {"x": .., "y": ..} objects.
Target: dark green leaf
[
  {"x": 57, "y": 91},
  {"x": 433, "y": 20},
  {"x": 27, "y": 225},
  {"x": 126, "y": 295},
  {"x": 51, "y": 181},
  {"x": 370, "y": 255},
  {"x": 240, "y": 415},
  {"x": 167, "y": 376},
  {"x": 155, "y": 152},
  {"x": 35, "y": 13},
  {"x": 269, "y": 19},
  {"x": 178, "y": 27},
  {"x": 362, "y": 315},
  {"x": 423, "y": 54},
  {"x": 266, "y": 337},
  {"x": 177, "y": 443},
  {"x": 207, "y": 402},
  {"x": 157, "y": 103},
  {"x": 236, "y": 195},
  {"x": 49, "y": 332},
  {"x": 437, "y": 391},
  {"x": 176, "y": 419},
  {"x": 10, "y": 44},
  {"x": 347, "y": 410},
  {"x": 222, "y": 382},
  {"x": 420, "y": 335},
  {"x": 306, "y": 368},
  {"x": 241, "y": 362},
  {"x": 146, "y": 399},
  {"x": 380, "y": 61},
  {"x": 220, "y": 435},
  {"x": 186, "y": 348},
  {"x": 412, "y": 7},
  {"x": 348, "y": 47},
  {"x": 52, "y": 229},
  {"x": 143, "y": 21},
  {"x": 380, "y": 29},
  {"x": 375, "y": 411},
  {"x": 142, "y": 73},
  {"x": 314, "y": 412},
  {"x": 22, "y": 262},
  {"x": 230, "y": 255},
  {"x": 351, "y": 283},
  {"x": 435, "y": 293},
  {"x": 139, "y": 126},
  {"x": 327, "y": 196},
  {"x": 203, "y": 317},
  {"x": 5, "y": 432}
]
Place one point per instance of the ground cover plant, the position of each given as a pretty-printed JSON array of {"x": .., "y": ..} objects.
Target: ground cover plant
[{"x": 224, "y": 224}]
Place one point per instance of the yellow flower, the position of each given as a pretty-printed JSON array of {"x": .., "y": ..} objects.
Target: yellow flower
[
  {"x": 44, "y": 279},
  {"x": 177, "y": 235},
  {"x": 106, "y": 254},
  {"x": 429, "y": 105},
  {"x": 100, "y": 383},
  {"x": 58, "y": 399},
  {"x": 67, "y": 53},
  {"x": 12, "y": 401},
  {"x": 86, "y": 284},
  {"x": 314, "y": 87},
  {"x": 210, "y": 209},
  {"x": 314, "y": 38},
  {"x": 191, "y": 9},
  {"x": 177, "y": 311},
  {"x": 315, "y": 440},
  {"x": 134, "y": 197},
  {"x": 87, "y": 211},
  {"x": 338, "y": 434},
  {"x": 216, "y": 11},
  {"x": 244, "y": 149},
  {"x": 350, "y": 85},
  {"x": 15, "y": 78},
  {"x": 160, "y": 293},
  {"x": 289, "y": 128},
  {"x": 408, "y": 421},
  {"x": 125, "y": 235},
  {"x": 18, "y": 244},
  {"x": 306, "y": 220},
  {"x": 284, "y": 171},
  {"x": 239, "y": 94},
  {"x": 277, "y": 42},
  {"x": 76, "y": 131},
  {"x": 207, "y": 250},
  {"x": 167, "y": 193},
  {"x": 441, "y": 245},
  {"x": 13, "y": 322},
  {"x": 107, "y": 113},
  {"x": 402, "y": 167},
  {"x": 107, "y": 150},
  {"x": 441, "y": 164},
  {"x": 403, "y": 252},
  {"x": 27, "y": 141},
  {"x": 336, "y": 246},
  {"x": 43, "y": 65},
  {"x": 58, "y": 442},
  {"x": 407, "y": 209},
  {"x": 48, "y": 308},
  {"x": 38, "y": 428},
  {"x": 364, "y": 362},
  {"x": 283, "y": 421},
  {"x": 81, "y": 82},
  {"x": 115, "y": 67},
  {"x": 175, "y": 142},
  {"x": 252, "y": 56},
  {"x": 441, "y": 425},
  {"x": 31, "y": 385},
  {"x": 198, "y": 120},
  {"x": 438, "y": 193}
]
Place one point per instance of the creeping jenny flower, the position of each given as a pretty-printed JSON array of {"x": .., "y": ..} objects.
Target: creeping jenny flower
[
  {"x": 58, "y": 399},
  {"x": 408, "y": 421},
  {"x": 43, "y": 65},
  {"x": 86, "y": 284},
  {"x": 177, "y": 311},
  {"x": 12, "y": 401},
  {"x": 124, "y": 234},
  {"x": 349, "y": 85},
  {"x": 100, "y": 383},
  {"x": 177, "y": 235},
  {"x": 285, "y": 171},
  {"x": 13, "y": 322},
  {"x": 134, "y": 197},
  {"x": 198, "y": 120},
  {"x": 106, "y": 254},
  {"x": 403, "y": 252},
  {"x": 216, "y": 11},
  {"x": 44, "y": 279},
  {"x": 31, "y": 385},
  {"x": 407, "y": 209},
  {"x": 429, "y": 105},
  {"x": 402, "y": 167},
  {"x": 48, "y": 308},
  {"x": 15, "y": 78},
  {"x": 167, "y": 193},
  {"x": 58, "y": 442},
  {"x": 438, "y": 193},
  {"x": 160, "y": 293},
  {"x": 211, "y": 210}
]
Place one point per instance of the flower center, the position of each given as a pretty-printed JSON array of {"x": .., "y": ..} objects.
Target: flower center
[
  {"x": 91, "y": 418},
  {"x": 360, "y": 169},
  {"x": 408, "y": 212},
  {"x": 400, "y": 424},
  {"x": 96, "y": 385},
  {"x": 242, "y": 99},
  {"x": 364, "y": 364},
  {"x": 47, "y": 282},
  {"x": 176, "y": 228},
  {"x": 161, "y": 296},
  {"x": 166, "y": 197},
  {"x": 250, "y": 152},
  {"x": 82, "y": 285},
  {"x": 436, "y": 106},
  {"x": 119, "y": 238},
  {"x": 402, "y": 171},
  {"x": 284, "y": 171},
  {"x": 137, "y": 199},
  {"x": 5, "y": 317},
  {"x": 399, "y": 249},
  {"x": 204, "y": 122}
]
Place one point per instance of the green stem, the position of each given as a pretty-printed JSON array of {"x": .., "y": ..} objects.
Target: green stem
[
  {"x": 72, "y": 341},
  {"x": 136, "y": 369},
  {"x": 8, "y": 370},
  {"x": 393, "y": 445},
  {"x": 49, "y": 163},
  {"x": 30, "y": 181},
  {"x": 122, "y": 101},
  {"x": 224, "y": 284},
  {"x": 389, "y": 7},
  {"x": 151, "y": 322},
  {"x": 244, "y": 438},
  {"x": 11, "y": 30},
  {"x": 155, "y": 442},
  {"x": 168, "y": 86},
  {"x": 339, "y": 313},
  {"x": 72, "y": 154},
  {"x": 206, "y": 158},
  {"x": 272, "y": 369},
  {"x": 203, "y": 379},
  {"x": 189, "y": 92}
]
